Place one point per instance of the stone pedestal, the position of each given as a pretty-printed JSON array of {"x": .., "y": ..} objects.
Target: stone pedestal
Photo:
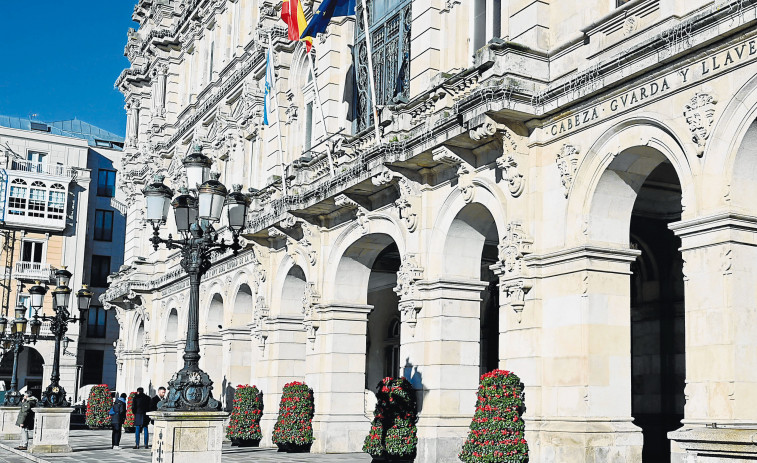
[
  {"x": 187, "y": 437},
  {"x": 51, "y": 426},
  {"x": 8, "y": 428},
  {"x": 710, "y": 445}
]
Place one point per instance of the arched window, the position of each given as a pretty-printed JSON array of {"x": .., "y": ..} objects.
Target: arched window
[
  {"x": 17, "y": 197},
  {"x": 37, "y": 199},
  {"x": 56, "y": 203}
]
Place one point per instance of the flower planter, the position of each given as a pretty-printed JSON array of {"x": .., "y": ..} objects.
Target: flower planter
[
  {"x": 245, "y": 442},
  {"x": 393, "y": 436},
  {"x": 294, "y": 448}
]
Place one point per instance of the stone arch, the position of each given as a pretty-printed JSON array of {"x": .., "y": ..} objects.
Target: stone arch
[
  {"x": 241, "y": 293},
  {"x": 287, "y": 298},
  {"x": 137, "y": 333},
  {"x": 459, "y": 219},
  {"x": 354, "y": 253},
  {"x": 608, "y": 180},
  {"x": 172, "y": 326},
  {"x": 214, "y": 315},
  {"x": 730, "y": 157}
]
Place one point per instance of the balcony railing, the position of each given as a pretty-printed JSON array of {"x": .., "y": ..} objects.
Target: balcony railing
[
  {"x": 34, "y": 271},
  {"x": 42, "y": 168}
]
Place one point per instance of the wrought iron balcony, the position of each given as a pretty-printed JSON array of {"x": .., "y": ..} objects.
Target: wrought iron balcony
[
  {"x": 42, "y": 168},
  {"x": 33, "y": 271}
]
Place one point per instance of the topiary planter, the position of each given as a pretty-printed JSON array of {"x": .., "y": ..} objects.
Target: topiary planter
[
  {"x": 245, "y": 442},
  {"x": 244, "y": 423},
  {"x": 98, "y": 405},
  {"x": 294, "y": 448},
  {"x": 393, "y": 436},
  {"x": 293, "y": 431}
]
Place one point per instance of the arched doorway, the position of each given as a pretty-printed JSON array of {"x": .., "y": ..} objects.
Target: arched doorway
[
  {"x": 29, "y": 373},
  {"x": 658, "y": 368},
  {"x": 638, "y": 196},
  {"x": 382, "y": 347}
]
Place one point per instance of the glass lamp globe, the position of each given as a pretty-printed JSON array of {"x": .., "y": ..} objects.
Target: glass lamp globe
[
  {"x": 212, "y": 196},
  {"x": 158, "y": 198}
]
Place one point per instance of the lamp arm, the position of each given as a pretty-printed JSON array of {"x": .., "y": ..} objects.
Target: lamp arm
[{"x": 170, "y": 243}]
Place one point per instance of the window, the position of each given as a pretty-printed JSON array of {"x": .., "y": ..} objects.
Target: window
[
  {"x": 32, "y": 251},
  {"x": 308, "y": 125},
  {"x": 37, "y": 160},
  {"x": 56, "y": 203},
  {"x": 103, "y": 225},
  {"x": 100, "y": 271},
  {"x": 106, "y": 183},
  {"x": 17, "y": 197},
  {"x": 24, "y": 301},
  {"x": 92, "y": 369},
  {"x": 390, "y": 22},
  {"x": 37, "y": 200},
  {"x": 487, "y": 21},
  {"x": 96, "y": 322}
]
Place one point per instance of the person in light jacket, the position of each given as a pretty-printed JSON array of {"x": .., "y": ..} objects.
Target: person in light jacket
[
  {"x": 25, "y": 420},
  {"x": 117, "y": 417}
]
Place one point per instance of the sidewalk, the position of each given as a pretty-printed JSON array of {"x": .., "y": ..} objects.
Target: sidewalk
[{"x": 94, "y": 447}]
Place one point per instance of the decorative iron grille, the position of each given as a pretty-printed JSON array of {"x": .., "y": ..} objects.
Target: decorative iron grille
[{"x": 390, "y": 42}]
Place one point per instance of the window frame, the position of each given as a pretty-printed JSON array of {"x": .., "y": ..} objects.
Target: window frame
[
  {"x": 96, "y": 282},
  {"x": 102, "y": 189},
  {"x": 37, "y": 241},
  {"x": 97, "y": 330},
  {"x": 105, "y": 234}
]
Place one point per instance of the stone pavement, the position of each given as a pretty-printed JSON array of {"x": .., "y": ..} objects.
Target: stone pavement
[{"x": 94, "y": 447}]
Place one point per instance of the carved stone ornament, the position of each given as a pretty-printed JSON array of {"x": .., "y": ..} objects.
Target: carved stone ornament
[
  {"x": 464, "y": 172},
  {"x": 407, "y": 275},
  {"x": 509, "y": 165},
  {"x": 310, "y": 321},
  {"x": 257, "y": 327},
  {"x": 700, "y": 114},
  {"x": 361, "y": 213},
  {"x": 514, "y": 281},
  {"x": 515, "y": 294},
  {"x": 408, "y": 202},
  {"x": 567, "y": 163},
  {"x": 487, "y": 129}
]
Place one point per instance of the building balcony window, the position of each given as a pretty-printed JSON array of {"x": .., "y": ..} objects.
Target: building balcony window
[
  {"x": 41, "y": 167},
  {"x": 37, "y": 203},
  {"x": 33, "y": 271}
]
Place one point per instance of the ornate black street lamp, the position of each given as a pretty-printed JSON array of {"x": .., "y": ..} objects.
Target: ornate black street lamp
[
  {"x": 55, "y": 394},
  {"x": 190, "y": 389},
  {"x": 15, "y": 341}
]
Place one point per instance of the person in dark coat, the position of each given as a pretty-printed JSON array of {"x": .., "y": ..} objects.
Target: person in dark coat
[
  {"x": 25, "y": 419},
  {"x": 117, "y": 417},
  {"x": 156, "y": 400},
  {"x": 140, "y": 405}
]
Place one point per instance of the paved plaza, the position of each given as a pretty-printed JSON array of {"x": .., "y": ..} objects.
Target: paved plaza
[{"x": 94, "y": 446}]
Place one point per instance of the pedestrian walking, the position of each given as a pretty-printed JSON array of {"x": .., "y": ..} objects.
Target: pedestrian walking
[
  {"x": 25, "y": 420},
  {"x": 117, "y": 417},
  {"x": 140, "y": 405}
]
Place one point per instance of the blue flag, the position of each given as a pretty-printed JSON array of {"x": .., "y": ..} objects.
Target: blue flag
[
  {"x": 270, "y": 80},
  {"x": 324, "y": 13}
]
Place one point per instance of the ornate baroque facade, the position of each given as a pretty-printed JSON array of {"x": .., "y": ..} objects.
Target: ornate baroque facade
[{"x": 562, "y": 189}]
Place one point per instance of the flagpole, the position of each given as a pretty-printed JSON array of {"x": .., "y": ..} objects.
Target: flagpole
[
  {"x": 370, "y": 70},
  {"x": 278, "y": 121},
  {"x": 320, "y": 107}
]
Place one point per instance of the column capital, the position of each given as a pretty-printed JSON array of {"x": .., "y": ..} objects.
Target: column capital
[{"x": 578, "y": 259}]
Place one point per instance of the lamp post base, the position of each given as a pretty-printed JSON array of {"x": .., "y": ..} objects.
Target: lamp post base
[
  {"x": 8, "y": 428},
  {"x": 190, "y": 389},
  {"x": 187, "y": 437},
  {"x": 51, "y": 428},
  {"x": 54, "y": 396}
]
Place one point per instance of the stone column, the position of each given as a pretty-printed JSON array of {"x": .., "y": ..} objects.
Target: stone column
[
  {"x": 719, "y": 254},
  {"x": 51, "y": 426},
  {"x": 211, "y": 360},
  {"x": 440, "y": 357},
  {"x": 583, "y": 413},
  {"x": 8, "y": 428},
  {"x": 187, "y": 437},
  {"x": 336, "y": 372},
  {"x": 284, "y": 362}
]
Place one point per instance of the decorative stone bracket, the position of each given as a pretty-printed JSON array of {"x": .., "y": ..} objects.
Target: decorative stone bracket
[
  {"x": 514, "y": 279},
  {"x": 311, "y": 320},
  {"x": 407, "y": 276},
  {"x": 465, "y": 173},
  {"x": 361, "y": 213},
  {"x": 409, "y": 201},
  {"x": 699, "y": 113}
]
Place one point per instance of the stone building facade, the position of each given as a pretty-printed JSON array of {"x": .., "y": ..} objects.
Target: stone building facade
[{"x": 562, "y": 189}]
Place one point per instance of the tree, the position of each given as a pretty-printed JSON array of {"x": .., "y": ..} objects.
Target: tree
[
  {"x": 497, "y": 429},
  {"x": 98, "y": 405},
  {"x": 244, "y": 424}
]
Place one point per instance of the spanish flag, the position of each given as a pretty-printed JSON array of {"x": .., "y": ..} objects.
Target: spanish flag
[{"x": 292, "y": 14}]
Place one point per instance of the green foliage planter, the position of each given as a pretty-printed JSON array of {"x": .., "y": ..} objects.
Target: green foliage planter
[
  {"x": 129, "y": 422},
  {"x": 244, "y": 424},
  {"x": 497, "y": 430},
  {"x": 393, "y": 435},
  {"x": 98, "y": 405},
  {"x": 293, "y": 431}
]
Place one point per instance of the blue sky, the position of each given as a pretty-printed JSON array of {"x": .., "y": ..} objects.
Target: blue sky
[{"x": 59, "y": 60}]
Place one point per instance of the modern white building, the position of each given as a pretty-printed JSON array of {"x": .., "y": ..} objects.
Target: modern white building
[
  {"x": 561, "y": 189},
  {"x": 59, "y": 207}
]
